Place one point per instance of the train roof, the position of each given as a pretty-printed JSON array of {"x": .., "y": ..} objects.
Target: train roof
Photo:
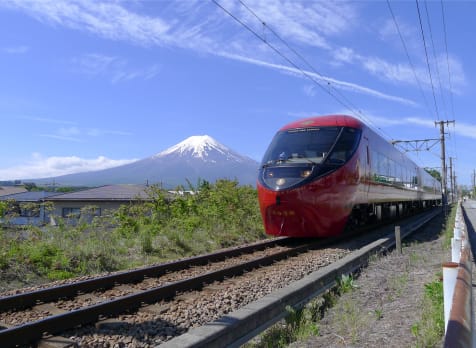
[{"x": 325, "y": 121}]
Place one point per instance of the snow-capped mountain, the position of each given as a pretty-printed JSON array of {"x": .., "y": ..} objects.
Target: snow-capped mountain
[
  {"x": 197, "y": 157},
  {"x": 202, "y": 147}
]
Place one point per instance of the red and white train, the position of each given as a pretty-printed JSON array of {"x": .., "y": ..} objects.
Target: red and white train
[{"x": 322, "y": 174}]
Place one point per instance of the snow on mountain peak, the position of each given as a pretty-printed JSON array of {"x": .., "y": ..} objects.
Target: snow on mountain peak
[{"x": 199, "y": 146}]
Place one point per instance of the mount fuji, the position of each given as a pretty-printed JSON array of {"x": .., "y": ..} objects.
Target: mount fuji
[{"x": 197, "y": 157}]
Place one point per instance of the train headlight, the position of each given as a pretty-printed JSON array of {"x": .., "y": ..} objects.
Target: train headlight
[
  {"x": 306, "y": 173},
  {"x": 282, "y": 177}
]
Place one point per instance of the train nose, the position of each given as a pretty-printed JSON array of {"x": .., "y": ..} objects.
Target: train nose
[{"x": 290, "y": 220}]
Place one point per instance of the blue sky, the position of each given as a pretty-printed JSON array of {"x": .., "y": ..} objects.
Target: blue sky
[{"x": 91, "y": 84}]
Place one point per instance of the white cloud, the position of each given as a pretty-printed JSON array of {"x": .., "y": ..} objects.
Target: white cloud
[
  {"x": 460, "y": 128},
  {"x": 344, "y": 55},
  {"x": 46, "y": 120},
  {"x": 204, "y": 28},
  {"x": 323, "y": 80},
  {"x": 42, "y": 167},
  {"x": 114, "y": 68},
  {"x": 77, "y": 134},
  {"x": 107, "y": 19},
  {"x": 60, "y": 137},
  {"x": 95, "y": 132},
  {"x": 465, "y": 129},
  {"x": 16, "y": 49},
  {"x": 304, "y": 22}
]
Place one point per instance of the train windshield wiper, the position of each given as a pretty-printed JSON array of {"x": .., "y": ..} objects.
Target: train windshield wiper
[{"x": 301, "y": 160}]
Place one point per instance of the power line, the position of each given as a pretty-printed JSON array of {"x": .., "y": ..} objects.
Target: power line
[
  {"x": 427, "y": 61},
  {"x": 408, "y": 56},
  {"x": 434, "y": 56},
  {"x": 345, "y": 102},
  {"x": 447, "y": 59},
  {"x": 453, "y": 138},
  {"x": 310, "y": 66},
  {"x": 280, "y": 54}
]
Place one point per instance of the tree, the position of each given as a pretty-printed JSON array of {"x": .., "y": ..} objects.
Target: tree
[{"x": 434, "y": 173}]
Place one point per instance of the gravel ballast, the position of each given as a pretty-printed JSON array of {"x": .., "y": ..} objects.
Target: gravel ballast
[{"x": 387, "y": 298}]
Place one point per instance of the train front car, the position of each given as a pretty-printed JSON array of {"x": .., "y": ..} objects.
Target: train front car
[{"x": 309, "y": 177}]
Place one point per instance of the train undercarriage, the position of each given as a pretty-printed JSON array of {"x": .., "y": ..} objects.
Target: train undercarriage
[{"x": 368, "y": 214}]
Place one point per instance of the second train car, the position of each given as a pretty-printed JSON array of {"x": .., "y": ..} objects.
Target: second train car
[{"x": 322, "y": 174}]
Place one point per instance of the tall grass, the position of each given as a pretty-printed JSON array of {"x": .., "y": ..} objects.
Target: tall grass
[
  {"x": 430, "y": 329},
  {"x": 157, "y": 229}
]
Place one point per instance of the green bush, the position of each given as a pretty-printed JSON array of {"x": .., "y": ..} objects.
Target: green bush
[{"x": 160, "y": 228}]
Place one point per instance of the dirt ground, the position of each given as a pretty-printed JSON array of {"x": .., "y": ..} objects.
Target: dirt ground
[{"x": 387, "y": 299}]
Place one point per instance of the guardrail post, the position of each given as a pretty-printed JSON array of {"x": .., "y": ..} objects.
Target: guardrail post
[
  {"x": 457, "y": 232},
  {"x": 455, "y": 249},
  {"x": 398, "y": 240},
  {"x": 450, "y": 273}
]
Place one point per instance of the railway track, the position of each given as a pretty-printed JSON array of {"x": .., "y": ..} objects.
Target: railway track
[
  {"x": 29, "y": 317},
  {"x": 150, "y": 306}
]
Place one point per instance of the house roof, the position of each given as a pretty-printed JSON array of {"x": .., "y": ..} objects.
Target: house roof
[
  {"x": 105, "y": 193},
  {"x": 33, "y": 196},
  {"x": 10, "y": 190}
]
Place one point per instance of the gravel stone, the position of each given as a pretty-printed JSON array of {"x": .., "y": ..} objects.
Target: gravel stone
[{"x": 387, "y": 298}]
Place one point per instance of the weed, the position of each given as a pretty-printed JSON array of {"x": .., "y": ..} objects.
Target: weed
[
  {"x": 345, "y": 283},
  {"x": 429, "y": 330},
  {"x": 378, "y": 313},
  {"x": 398, "y": 283}
]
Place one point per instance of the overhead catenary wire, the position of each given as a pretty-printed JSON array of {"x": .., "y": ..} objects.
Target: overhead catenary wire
[
  {"x": 282, "y": 55},
  {"x": 300, "y": 56},
  {"x": 408, "y": 56},
  {"x": 427, "y": 61},
  {"x": 447, "y": 58},
  {"x": 434, "y": 56},
  {"x": 343, "y": 101},
  {"x": 453, "y": 138}
]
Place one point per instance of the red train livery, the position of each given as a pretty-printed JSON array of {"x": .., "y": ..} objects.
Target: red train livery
[{"x": 324, "y": 173}]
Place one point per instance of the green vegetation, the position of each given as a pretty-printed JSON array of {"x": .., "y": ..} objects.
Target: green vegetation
[
  {"x": 431, "y": 327},
  {"x": 303, "y": 323},
  {"x": 434, "y": 173},
  {"x": 429, "y": 330},
  {"x": 157, "y": 229}
]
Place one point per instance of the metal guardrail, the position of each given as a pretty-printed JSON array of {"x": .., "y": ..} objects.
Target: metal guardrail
[{"x": 457, "y": 288}]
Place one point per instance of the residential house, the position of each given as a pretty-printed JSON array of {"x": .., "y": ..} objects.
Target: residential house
[
  {"x": 10, "y": 190},
  {"x": 27, "y": 208},
  {"x": 109, "y": 197}
]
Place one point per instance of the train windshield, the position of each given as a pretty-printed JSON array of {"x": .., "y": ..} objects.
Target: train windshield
[
  {"x": 302, "y": 145},
  {"x": 296, "y": 156}
]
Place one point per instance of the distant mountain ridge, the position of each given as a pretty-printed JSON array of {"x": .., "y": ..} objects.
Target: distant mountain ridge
[{"x": 197, "y": 157}]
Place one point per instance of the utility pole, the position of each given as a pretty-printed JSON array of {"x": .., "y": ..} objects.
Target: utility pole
[
  {"x": 455, "y": 185},
  {"x": 474, "y": 184},
  {"x": 451, "y": 180},
  {"x": 443, "y": 162}
]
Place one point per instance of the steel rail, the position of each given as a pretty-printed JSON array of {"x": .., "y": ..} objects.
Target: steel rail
[
  {"x": 34, "y": 331},
  {"x": 29, "y": 299},
  {"x": 235, "y": 329}
]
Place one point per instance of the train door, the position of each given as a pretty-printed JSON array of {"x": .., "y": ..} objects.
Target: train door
[{"x": 367, "y": 167}]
